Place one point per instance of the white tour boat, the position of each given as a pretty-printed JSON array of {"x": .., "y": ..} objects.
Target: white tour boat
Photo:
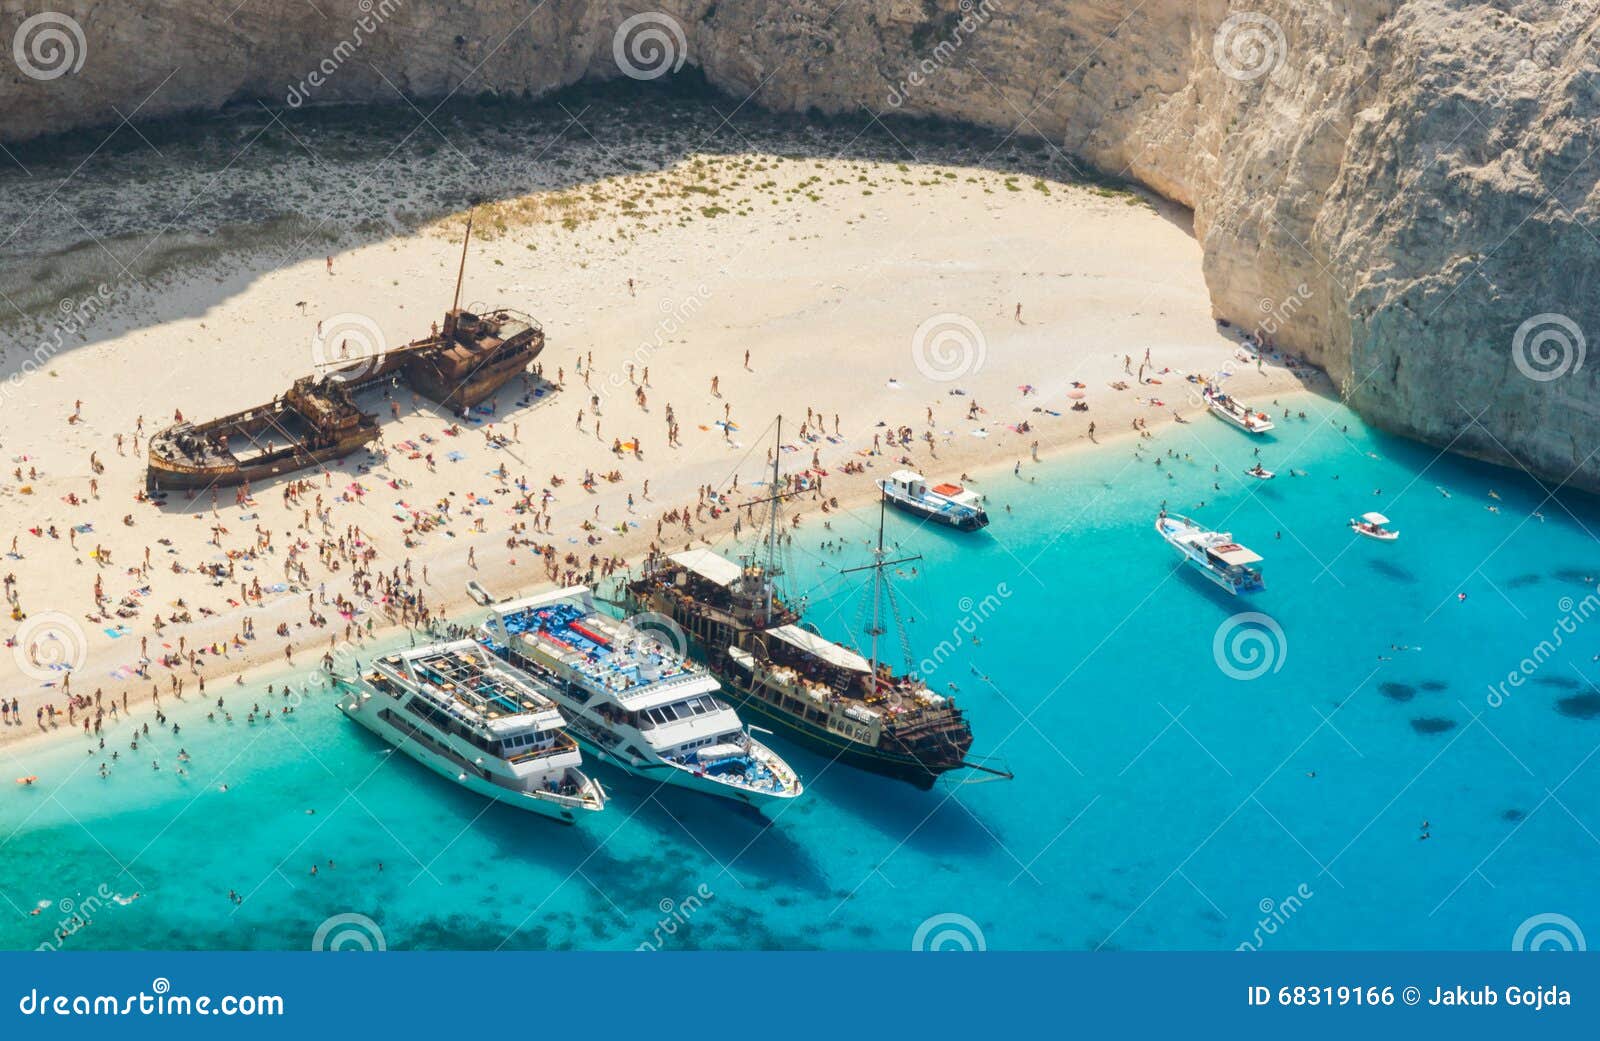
[
  {"x": 1260, "y": 473},
  {"x": 636, "y": 702},
  {"x": 1372, "y": 526},
  {"x": 947, "y": 504},
  {"x": 463, "y": 714},
  {"x": 1231, "y": 410},
  {"x": 1213, "y": 553}
]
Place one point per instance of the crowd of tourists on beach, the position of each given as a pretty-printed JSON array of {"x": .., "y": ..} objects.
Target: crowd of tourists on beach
[{"x": 328, "y": 560}]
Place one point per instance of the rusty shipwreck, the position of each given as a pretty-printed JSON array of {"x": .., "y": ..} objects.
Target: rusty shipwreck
[{"x": 460, "y": 364}]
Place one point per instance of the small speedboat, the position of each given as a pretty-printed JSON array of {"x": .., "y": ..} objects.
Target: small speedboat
[
  {"x": 1213, "y": 553},
  {"x": 1231, "y": 410},
  {"x": 1260, "y": 473},
  {"x": 1372, "y": 526},
  {"x": 948, "y": 504}
]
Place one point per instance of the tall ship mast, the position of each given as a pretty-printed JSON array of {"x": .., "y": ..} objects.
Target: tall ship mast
[
  {"x": 317, "y": 420},
  {"x": 846, "y": 706}
]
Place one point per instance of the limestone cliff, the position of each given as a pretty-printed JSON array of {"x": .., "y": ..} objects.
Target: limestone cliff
[{"x": 1399, "y": 189}]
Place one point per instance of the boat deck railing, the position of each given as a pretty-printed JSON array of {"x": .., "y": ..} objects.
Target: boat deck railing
[{"x": 618, "y": 661}]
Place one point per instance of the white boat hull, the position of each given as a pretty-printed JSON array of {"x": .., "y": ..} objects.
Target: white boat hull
[
  {"x": 563, "y": 808},
  {"x": 1235, "y": 581},
  {"x": 678, "y": 776},
  {"x": 1256, "y": 423}
]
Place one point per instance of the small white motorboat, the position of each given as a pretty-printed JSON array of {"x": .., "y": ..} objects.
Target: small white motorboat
[
  {"x": 1372, "y": 526},
  {"x": 1260, "y": 473},
  {"x": 1213, "y": 553},
  {"x": 1231, "y": 410}
]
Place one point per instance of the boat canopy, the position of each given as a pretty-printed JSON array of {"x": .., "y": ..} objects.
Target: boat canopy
[
  {"x": 1234, "y": 555},
  {"x": 712, "y": 567},
  {"x": 827, "y": 650},
  {"x": 1375, "y": 518}
]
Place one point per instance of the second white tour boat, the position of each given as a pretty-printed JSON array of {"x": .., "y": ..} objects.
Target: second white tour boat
[{"x": 635, "y": 701}]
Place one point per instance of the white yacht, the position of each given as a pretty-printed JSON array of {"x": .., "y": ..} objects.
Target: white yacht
[
  {"x": 635, "y": 701},
  {"x": 1372, "y": 526},
  {"x": 947, "y": 504},
  {"x": 1213, "y": 553},
  {"x": 1230, "y": 409},
  {"x": 463, "y": 714}
]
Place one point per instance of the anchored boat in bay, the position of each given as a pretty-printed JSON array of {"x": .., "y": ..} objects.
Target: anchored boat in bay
[
  {"x": 465, "y": 716},
  {"x": 843, "y": 704},
  {"x": 635, "y": 701}
]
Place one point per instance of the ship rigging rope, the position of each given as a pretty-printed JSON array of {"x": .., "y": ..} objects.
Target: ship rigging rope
[{"x": 900, "y": 626}]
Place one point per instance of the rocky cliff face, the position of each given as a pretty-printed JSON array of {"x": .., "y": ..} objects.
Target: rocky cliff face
[{"x": 1400, "y": 189}]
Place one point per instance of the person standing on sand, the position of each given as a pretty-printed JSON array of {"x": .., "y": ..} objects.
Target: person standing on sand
[
  {"x": 1019, "y": 314},
  {"x": 330, "y": 264}
]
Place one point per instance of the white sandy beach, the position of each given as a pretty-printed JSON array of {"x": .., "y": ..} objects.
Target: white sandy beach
[{"x": 874, "y": 301}]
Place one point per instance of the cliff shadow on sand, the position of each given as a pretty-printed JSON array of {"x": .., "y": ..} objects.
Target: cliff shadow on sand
[{"x": 170, "y": 219}]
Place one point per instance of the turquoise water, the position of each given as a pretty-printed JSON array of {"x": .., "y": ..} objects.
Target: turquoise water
[{"x": 1159, "y": 802}]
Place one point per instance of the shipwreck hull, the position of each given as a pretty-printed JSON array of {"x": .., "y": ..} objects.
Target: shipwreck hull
[
  {"x": 189, "y": 457},
  {"x": 164, "y": 474},
  {"x": 464, "y": 390}
]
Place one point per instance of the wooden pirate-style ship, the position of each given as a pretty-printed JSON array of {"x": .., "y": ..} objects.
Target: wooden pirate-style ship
[
  {"x": 847, "y": 706},
  {"x": 459, "y": 365}
]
